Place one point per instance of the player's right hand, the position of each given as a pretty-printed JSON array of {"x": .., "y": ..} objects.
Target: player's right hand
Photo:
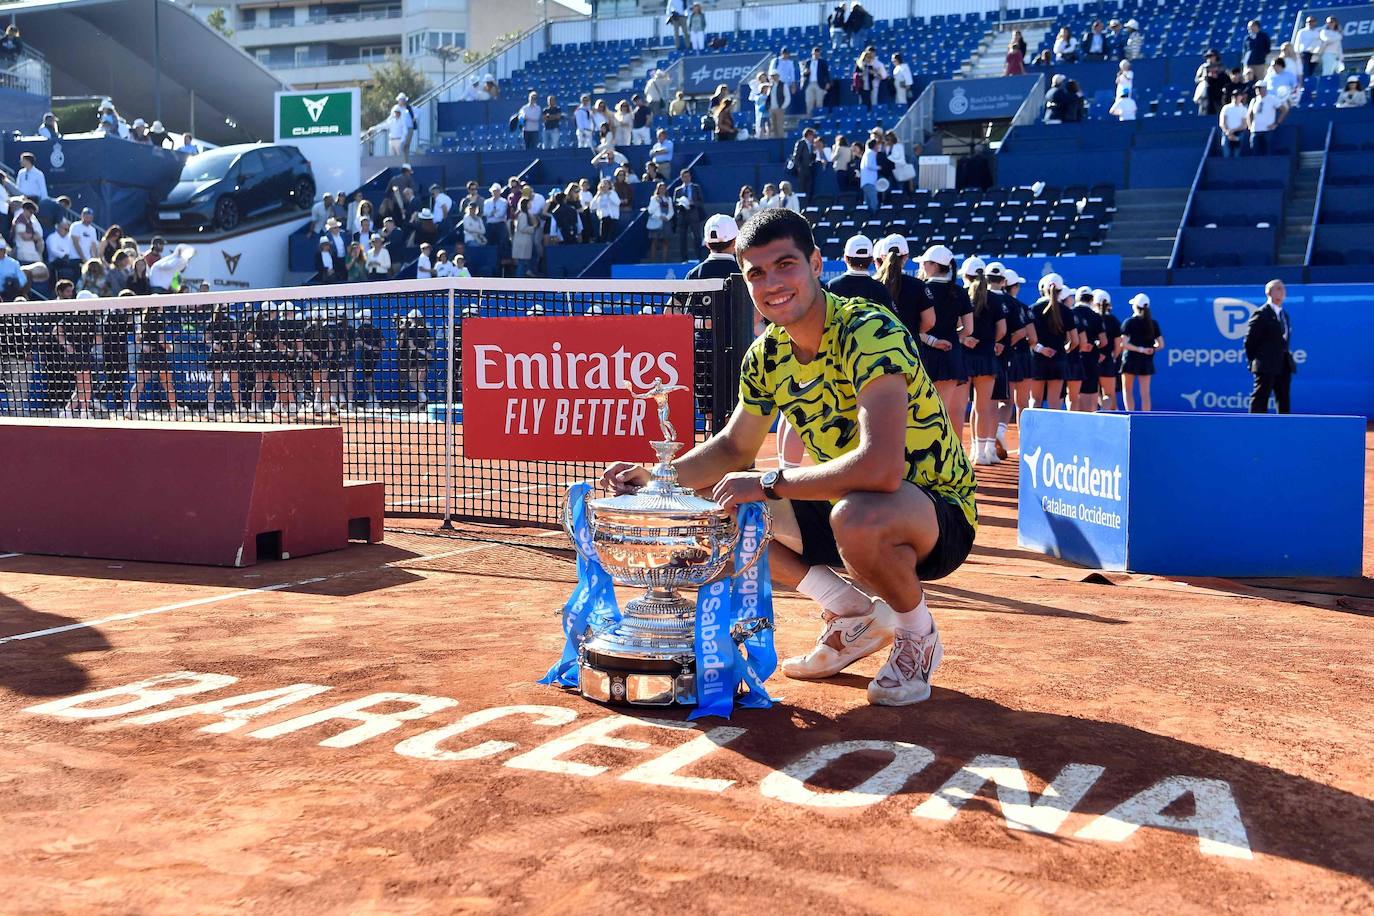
[{"x": 624, "y": 477}]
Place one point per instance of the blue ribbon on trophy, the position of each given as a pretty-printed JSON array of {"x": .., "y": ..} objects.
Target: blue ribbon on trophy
[
  {"x": 592, "y": 605},
  {"x": 734, "y": 626}
]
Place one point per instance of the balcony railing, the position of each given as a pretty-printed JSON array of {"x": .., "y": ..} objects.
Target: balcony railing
[
  {"x": 258, "y": 24},
  {"x": 30, "y": 73},
  {"x": 331, "y": 62}
]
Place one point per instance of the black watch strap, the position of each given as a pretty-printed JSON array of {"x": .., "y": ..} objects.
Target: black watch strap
[{"x": 771, "y": 480}]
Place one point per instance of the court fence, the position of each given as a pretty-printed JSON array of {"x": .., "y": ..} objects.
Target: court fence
[{"x": 381, "y": 360}]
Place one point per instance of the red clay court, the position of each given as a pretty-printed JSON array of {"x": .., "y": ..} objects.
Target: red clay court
[{"x": 1096, "y": 743}]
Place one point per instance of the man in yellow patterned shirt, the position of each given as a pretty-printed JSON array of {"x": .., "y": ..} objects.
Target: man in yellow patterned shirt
[{"x": 890, "y": 496}]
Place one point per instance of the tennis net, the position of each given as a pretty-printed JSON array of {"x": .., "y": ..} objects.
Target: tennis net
[{"x": 381, "y": 360}]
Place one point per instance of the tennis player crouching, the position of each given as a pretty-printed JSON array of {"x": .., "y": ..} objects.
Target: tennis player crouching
[{"x": 890, "y": 496}]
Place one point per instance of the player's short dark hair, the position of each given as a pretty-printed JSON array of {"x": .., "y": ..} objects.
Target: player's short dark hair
[
  {"x": 770, "y": 225},
  {"x": 718, "y": 247}
]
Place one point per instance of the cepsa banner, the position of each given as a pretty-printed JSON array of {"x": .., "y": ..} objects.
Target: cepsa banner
[{"x": 554, "y": 389}]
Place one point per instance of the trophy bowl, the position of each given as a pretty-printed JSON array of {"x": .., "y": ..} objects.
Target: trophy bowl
[{"x": 661, "y": 538}]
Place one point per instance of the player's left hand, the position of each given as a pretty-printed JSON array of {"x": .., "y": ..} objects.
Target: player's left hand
[{"x": 736, "y": 489}]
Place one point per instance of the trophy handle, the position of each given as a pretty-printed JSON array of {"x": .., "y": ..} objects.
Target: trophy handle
[{"x": 767, "y": 536}]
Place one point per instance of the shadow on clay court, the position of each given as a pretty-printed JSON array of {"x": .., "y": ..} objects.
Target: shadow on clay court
[
  {"x": 1284, "y": 815},
  {"x": 355, "y": 570},
  {"x": 967, "y": 600},
  {"x": 43, "y": 669}
]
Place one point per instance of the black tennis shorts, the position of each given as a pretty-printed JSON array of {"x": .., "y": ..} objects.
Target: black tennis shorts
[{"x": 948, "y": 554}]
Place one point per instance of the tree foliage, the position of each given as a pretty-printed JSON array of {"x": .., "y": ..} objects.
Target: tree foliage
[{"x": 219, "y": 21}]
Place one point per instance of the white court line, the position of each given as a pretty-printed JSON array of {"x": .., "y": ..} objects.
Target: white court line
[
  {"x": 472, "y": 494},
  {"x": 6, "y": 556},
  {"x": 228, "y": 596}
]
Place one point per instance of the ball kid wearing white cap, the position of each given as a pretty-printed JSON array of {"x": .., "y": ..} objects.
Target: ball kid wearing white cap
[
  {"x": 941, "y": 353},
  {"x": 1056, "y": 336},
  {"x": 719, "y": 238},
  {"x": 1109, "y": 359},
  {"x": 856, "y": 281},
  {"x": 1093, "y": 341},
  {"x": 1141, "y": 339}
]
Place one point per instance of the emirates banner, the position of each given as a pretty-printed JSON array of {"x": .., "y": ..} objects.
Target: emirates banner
[{"x": 560, "y": 389}]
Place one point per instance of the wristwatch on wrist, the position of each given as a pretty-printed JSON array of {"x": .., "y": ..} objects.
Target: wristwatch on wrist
[{"x": 770, "y": 480}]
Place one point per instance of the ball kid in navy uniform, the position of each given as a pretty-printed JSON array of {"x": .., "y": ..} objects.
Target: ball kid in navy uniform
[
  {"x": 987, "y": 325},
  {"x": 1056, "y": 337},
  {"x": 909, "y": 301},
  {"x": 1017, "y": 364},
  {"x": 719, "y": 239},
  {"x": 939, "y": 348},
  {"x": 1073, "y": 369},
  {"x": 1108, "y": 356},
  {"x": 1142, "y": 338},
  {"x": 857, "y": 282},
  {"x": 1092, "y": 340}
]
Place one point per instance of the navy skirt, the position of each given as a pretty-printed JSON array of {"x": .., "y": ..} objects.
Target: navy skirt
[
  {"x": 1073, "y": 367},
  {"x": 976, "y": 364},
  {"x": 1050, "y": 369},
  {"x": 1021, "y": 365},
  {"x": 1138, "y": 364},
  {"x": 944, "y": 365}
]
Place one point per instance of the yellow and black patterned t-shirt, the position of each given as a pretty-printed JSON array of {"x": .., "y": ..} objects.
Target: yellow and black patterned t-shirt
[{"x": 862, "y": 341}]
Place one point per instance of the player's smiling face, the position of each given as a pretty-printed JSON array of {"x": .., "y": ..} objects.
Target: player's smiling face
[{"x": 784, "y": 284}]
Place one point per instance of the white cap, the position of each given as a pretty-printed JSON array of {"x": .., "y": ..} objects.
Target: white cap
[
  {"x": 1132, "y": 24},
  {"x": 1140, "y": 300},
  {"x": 1101, "y": 295},
  {"x": 139, "y": 122},
  {"x": 995, "y": 269},
  {"x": 266, "y": 306},
  {"x": 858, "y": 246},
  {"x": 1051, "y": 279},
  {"x": 972, "y": 267},
  {"x": 86, "y": 294},
  {"x": 894, "y": 242},
  {"x": 413, "y": 313},
  {"x": 536, "y": 309},
  {"x": 1066, "y": 295},
  {"x": 426, "y": 213},
  {"x": 1085, "y": 291},
  {"x": 289, "y": 306},
  {"x": 364, "y": 314},
  {"x": 402, "y": 97},
  {"x": 720, "y": 228},
  {"x": 939, "y": 254},
  {"x": 158, "y": 128},
  {"x": 1013, "y": 278}
]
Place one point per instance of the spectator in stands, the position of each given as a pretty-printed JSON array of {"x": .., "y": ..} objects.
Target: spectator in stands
[
  {"x": 341, "y": 206},
  {"x": 1292, "y": 63},
  {"x": 661, "y": 154},
  {"x": 1065, "y": 47},
  {"x": 1332, "y": 50},
  {"x": 625, "y": 191},
  {"x": 84, "y": 236},
  {"x": 641, "y": 119},
  {"x": 1124, "y": 108},
  {"x": 902, "y": 171},
  {"x": 108, "y": 122},
  {"x": 424, "y": 228},
  {"x": 364, "y": 231},
  {"x": 328, "y": 267},
  {"x": 1094, "y": 42},
  {"x": 30, "y": 181},
  {"x": 608, "y": 159},
  {"x": 839, "y": 35},
  {"x": 783, "y": 67},
  {"x": 138, "y": 283},
  {"x": 63, "y": 260},
  {"x": 622, "y": 124},
  {"x": 117, "y": 274},
  {"x": 1308, "y": 44},
  {"x": 869, "y": 74},
  {"x": 659, "y": 222},
  {"x": 1135, "y": 41},
  {"x": 440, "y": 204},
  {"x": 902, "y": 80},
  {"x": 815, "y": 80},
  {"x": 412, "y": 124},
  {"x": 164, "y": 275},
  {"x": 725, "y": 121},
  {"x": 696, "y": 28},
  {"x": 48, "y": 129},
  {"x": 357, "y": 263},
  {"x": 606, "y": 207},
  {"x": 474, "y": 91},
  {"x": 768, "y": 198},
  {"x": 157, "y": 135},
  {"x": 868, "y": 175},
  {"x": 473, "y": 226},
  {"x": 553, "y": 123},
  {"x": 1265, "y": 114},
  {"x": 93, "y": 278},
  {"x": 11, "y": 45},
  {"x": 787, "y": 199},
  {"x": 802, "y": 163},
  {"x": 677, "y": 18},
  {"x": 858, "y": 23},
  {"x": 531, "y": 118},
  {"x": 565, "y": 216},
  {"x": 320, "y": 212},
  {"x": 378, "y": 258},
  {"x": 188, "y": 145},
  {"x": 14, "y": 282},
  {"x": 1016, "y": 56},
  {"x": 746, "y": 206},
  {"x": 656, "y": 90},
  {"x": 779, "y": 100},
  {"x": 1282, "y": 83},
  {"x": 396, "y": 132},
  {"x": 652, "y": 175},
  {"x": 138, "y": 132},
  {"x": 1353, "y": 95},
  {"x": 1232, "y": 122},
  {"x": 1257, "y": 47},
  {"x": 1211, "y": 80},
  {"x": 582, "y": 122},
  {"x": 1058, "y": 102},
  {"x": 27, "y": 232},
  {"x": 691, "y": 208},
  {"x": 758, "y": 92},
  {"x": 522, "y": 242},
  {"x": 1116, "y": 41},
  {"x": 399, "y": 183},
  {"x": 678, "y": 106},
  {"x": 334, "y": 234}
]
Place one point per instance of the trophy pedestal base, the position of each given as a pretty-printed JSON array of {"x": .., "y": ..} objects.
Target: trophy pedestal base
[{"x": 609, "y": 674}]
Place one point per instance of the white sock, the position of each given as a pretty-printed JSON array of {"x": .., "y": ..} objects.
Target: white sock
[
  {"x": 784, "y": 464},
  {"x": 822, "y": 585},
  {"x": 1002, "y": 433},
  {"x": 916, "y": 621}
]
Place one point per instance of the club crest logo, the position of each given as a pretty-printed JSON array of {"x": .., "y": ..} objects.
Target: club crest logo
[{"x": 958, "y": 102}]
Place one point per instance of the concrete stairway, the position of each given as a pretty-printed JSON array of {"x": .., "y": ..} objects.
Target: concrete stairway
[
  {"x": 1298, "y": 210},
  {"x": 990, "y": 58},
  {"x": 1145, "y": 226}
]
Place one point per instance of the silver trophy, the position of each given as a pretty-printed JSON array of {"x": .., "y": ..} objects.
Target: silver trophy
[{"x": 662, "y": 538}]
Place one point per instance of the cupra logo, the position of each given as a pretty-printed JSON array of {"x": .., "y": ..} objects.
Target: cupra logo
[
  {"x": 315, "y": 107},
  {"x": 231, "y": 261}
]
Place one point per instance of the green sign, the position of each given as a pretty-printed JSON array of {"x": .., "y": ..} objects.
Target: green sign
[{"x": 326, "y": 114}]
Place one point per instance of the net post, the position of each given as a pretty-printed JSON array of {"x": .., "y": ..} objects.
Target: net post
[
  {"x": 732, "y": 327},
  {"x": 448, "y": 419}
]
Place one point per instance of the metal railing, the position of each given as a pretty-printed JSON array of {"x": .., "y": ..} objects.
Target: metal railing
[
  {"x": 1317, "y": 204},
  {"x": 329, "y": 62},
  {"x": 261, "y": 25},
  {"x": 1034, "y": 103},
  {"x": 30, "y": 73},
  {"x": 918, "y": 123},
  {"x": 1192, "y": 194}
]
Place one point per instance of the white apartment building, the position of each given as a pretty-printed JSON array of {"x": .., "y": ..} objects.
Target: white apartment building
[{"x": 311, "y": 44}]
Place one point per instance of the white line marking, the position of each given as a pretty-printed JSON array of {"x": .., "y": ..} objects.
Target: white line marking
[
  {"x": 6, "y": 556},
  {"x": 475, "y": 494},
  {"x": 228, "y": 596}
]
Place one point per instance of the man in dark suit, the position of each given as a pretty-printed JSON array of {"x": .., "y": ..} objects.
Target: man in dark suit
[
  {"x": 691, "y": 211},
  {"x": 1257, "y": 47},
  {"x": 815, "y": 81},
  {"x": 1266, "y": 347},
  {"x": 803, "y": 161}
]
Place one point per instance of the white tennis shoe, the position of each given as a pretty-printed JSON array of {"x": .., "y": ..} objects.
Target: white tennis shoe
[
  {"x": 843, "y": 642},
  {"x": 905, "y": 679}
]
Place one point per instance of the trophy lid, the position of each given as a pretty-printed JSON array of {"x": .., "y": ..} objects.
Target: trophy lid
[{"x": 652, "y": 500}]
